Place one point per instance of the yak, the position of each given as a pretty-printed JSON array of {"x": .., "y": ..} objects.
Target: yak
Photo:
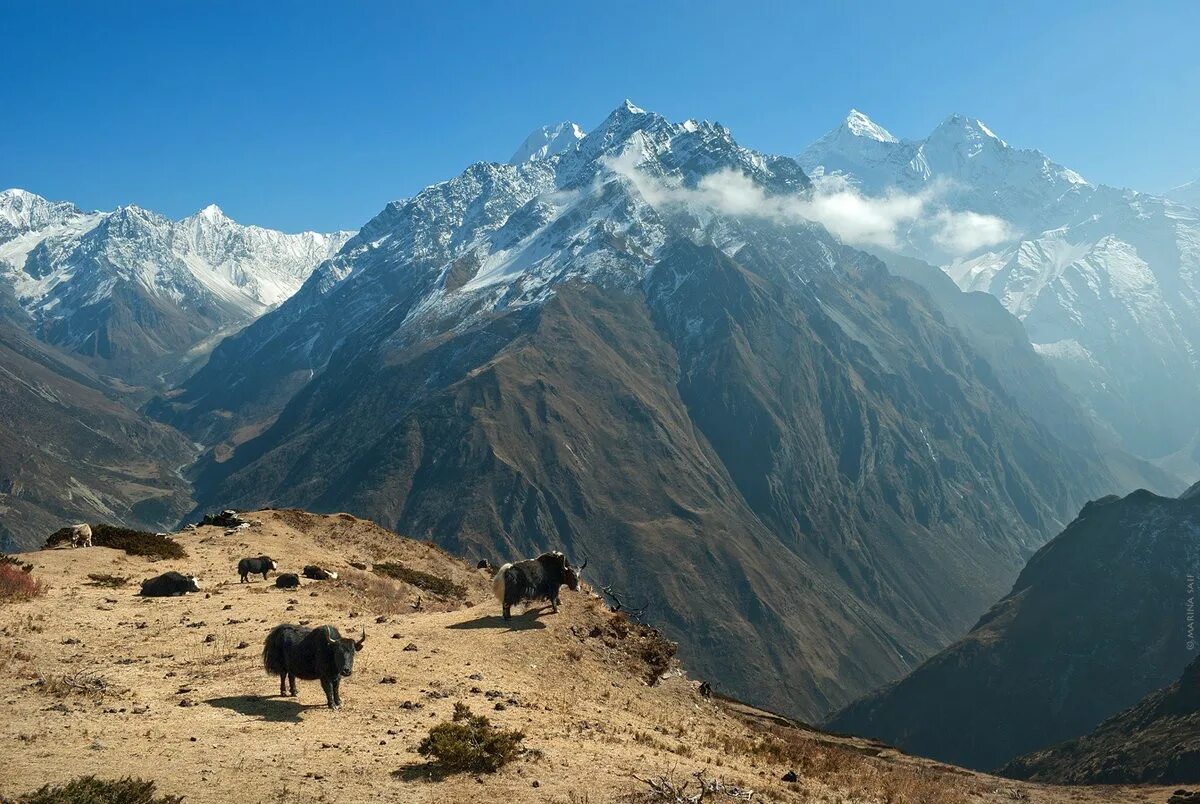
[
  {"x": 317, "y": 574},
  {"x": 292, "y": 651},
  {"x": 535, "y": 579},
  {"x": 288, "y": 580},
  {"x": 255, "y": 566},
  {"x": 81, "y": 535},
  {"x": 170, "y": 584}
]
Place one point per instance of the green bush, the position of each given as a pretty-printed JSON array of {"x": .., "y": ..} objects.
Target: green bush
[
  {"x": 426, "y": 582},
  {"x": 90, "y": 790},
  {"x": 133, "y": 542},
  {"x": 470, "y": 743}
]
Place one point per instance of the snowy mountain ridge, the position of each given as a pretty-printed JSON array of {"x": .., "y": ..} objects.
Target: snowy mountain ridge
[
  {"x": 1106, "y": 280},
  {"x": 47, "y": 248}
]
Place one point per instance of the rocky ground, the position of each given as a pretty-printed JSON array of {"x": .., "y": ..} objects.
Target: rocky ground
[{"x": 96, "y": 680}]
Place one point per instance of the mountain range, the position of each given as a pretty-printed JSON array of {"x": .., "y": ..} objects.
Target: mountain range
[
  {"x": 811, "y": 477},
  {"x": 1096, "y": 621},
  {"x": 1105, "y": 280},
  {"x": 799, "y": 438},
  {"x": 138, "y": 296}
]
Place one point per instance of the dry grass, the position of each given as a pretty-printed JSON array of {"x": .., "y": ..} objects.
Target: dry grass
[
  {"x": 83, "y": 684},
  {"x": 854, "y": 771}
]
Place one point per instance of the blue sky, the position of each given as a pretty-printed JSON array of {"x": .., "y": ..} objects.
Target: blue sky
[{"x": 316, "y": 116}]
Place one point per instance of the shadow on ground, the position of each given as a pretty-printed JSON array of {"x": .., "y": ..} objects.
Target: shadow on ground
[
  {"x": 273, "y": 710},
  {"x": 525, "y": 622}
]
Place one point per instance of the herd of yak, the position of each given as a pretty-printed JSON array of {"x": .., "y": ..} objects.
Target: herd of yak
[{"x": 322, "y": 654}]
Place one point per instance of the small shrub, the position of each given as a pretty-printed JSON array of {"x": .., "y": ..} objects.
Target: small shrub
[
  {"x": 133, "y": 542},
  {"x": 470, "y": 743},
  {"x": 106, "y": 580},
  {"x": 13, "y": 561},
  {"x": 426, "y": 582},
  {"x": 18, "y": 583},
  {"x": 90, "y": 790}
]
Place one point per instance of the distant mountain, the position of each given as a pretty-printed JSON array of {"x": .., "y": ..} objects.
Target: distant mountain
[
  {"x": 806, "y": 471},
  {"x": 139, "y": 295},
  {"x": 1095, "y": 622},
  {"x": 1156, "y": 741},
  {"x": 70, "y": 452},
  {"x": 1186, "y": 193},
  {"x": 1106, "y": 281}
]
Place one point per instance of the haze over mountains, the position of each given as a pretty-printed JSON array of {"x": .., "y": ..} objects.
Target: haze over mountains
[
  {"x": 758, "y": 392},
  {"x": 1103, "y": 279}
]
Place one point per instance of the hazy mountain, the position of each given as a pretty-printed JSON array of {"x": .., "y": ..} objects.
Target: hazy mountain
[
  {"x": 809, "y": 474},
  {"x": 69, "y": 452},
  {"x": 1096, "y": 621},
  {"x": 1104, "y": 279},
  {"x": 140, "y": 295},
  {"x": 1186, "y": 193},
  {"x": 1156, "y": 741}
]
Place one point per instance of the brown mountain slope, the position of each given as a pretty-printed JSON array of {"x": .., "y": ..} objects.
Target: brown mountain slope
[
  {"x": 1095, "y": 622},
  {"x": 1156, "y": 741},
  {"x": 94, "y": 679},
  {"x": 70, "y": 451},
  {"x": 835, "y": 481}
]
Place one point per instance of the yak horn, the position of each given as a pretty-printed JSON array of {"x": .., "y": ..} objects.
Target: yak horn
[
  {"x": 584, "y": 564},
  {"x": 359, "y": 644},
  {"x": 329, "y": 635}
]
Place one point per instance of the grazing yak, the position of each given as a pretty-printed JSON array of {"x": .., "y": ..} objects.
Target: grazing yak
[
  {"x": 255, "y": 566},
  {"x": 170, "y": 584},
  {"x": 292, "y": 652},
  {"x": 318, "y": 574},
  {"x": 535, "y": 579},
  {"x": 81, "y": 535},
  {"x": 288, "y": 580}
]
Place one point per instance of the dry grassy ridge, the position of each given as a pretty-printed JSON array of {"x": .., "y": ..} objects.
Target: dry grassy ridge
[{"x": 96, "y": 680}]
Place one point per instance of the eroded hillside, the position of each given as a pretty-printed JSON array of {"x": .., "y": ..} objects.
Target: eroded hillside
[{"x": 97, "y": 680}]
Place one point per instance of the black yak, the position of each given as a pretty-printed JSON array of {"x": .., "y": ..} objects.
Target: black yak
[
  {"x": 292, "y": 652},
  {"x": 288, "y": 580},
  {"x": 535, "y": 579},
  {"x": 170, "y": 584},
  {"x": 255, "y": 566},
  {"x": 317, "y": 574}
]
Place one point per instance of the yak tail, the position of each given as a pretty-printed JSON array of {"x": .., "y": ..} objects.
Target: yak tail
[
  {"x": 498, "y": 583},
  {"x": 273, "y": 651}
]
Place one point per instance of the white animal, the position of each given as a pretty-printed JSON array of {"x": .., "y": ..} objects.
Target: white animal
[{"x": 81, "y": 535}]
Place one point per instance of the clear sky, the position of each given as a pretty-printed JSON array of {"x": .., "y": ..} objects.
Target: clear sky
[{"x": 315, "y": 114}]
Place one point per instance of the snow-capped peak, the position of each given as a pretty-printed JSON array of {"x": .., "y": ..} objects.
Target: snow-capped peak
[
  {"x": 860, "y": 125},
  {"x": 548, "y": 141},
  {"x": 960, "y": 127},
  {"x": 211, "y": 212}
]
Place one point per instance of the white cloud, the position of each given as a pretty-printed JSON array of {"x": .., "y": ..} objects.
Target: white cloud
[{"x": 841, "y": 208}]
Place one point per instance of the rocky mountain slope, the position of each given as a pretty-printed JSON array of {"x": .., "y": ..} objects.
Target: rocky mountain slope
[
  {"x": 1104, "y": 279},
  {"x": 136, "y": 294},
  {"x": 1157, "y": 741},
  {"x": 587, "y": 352},
  {"x": 99, "y": 681},
  {"x": 70, "y": 451},
  {"x": 1095, "y": 622}
]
